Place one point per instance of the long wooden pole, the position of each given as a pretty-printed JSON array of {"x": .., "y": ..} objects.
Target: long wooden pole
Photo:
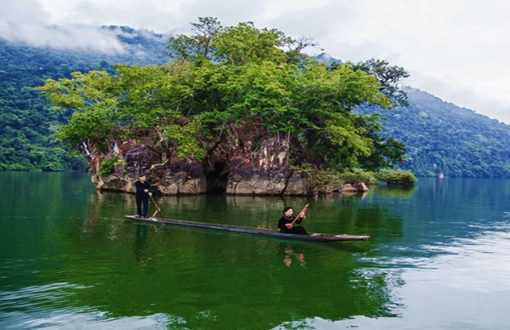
[
  {"x": 157, "y": 208},
  {"x": 304, "y": 210}
]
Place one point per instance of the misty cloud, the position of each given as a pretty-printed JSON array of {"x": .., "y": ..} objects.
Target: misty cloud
[{"x": 27, "y": 22}]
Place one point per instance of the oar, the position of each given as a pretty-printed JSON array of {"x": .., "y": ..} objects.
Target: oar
[
  {"x": 304, "y": 210},
  {"x": 157, "y": 208}
]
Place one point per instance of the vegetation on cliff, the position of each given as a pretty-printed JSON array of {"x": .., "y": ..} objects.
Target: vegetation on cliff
[{"x": 224, "y": 79}]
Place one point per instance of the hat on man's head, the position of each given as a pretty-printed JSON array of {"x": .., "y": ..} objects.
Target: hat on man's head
[{"x": 141, "y": 174}]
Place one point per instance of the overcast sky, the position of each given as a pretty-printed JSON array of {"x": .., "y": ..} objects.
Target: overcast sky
[{"x": 457, "y": 50}]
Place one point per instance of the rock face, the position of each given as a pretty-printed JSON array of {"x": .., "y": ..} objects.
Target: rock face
[
  {"x": 245, "y": 163},
  {"x": 254, "y": 164},
  {"x": 356, "y": 187},
  {"x": 167, "y": 175},
  {"x": 265, "y": 172}
]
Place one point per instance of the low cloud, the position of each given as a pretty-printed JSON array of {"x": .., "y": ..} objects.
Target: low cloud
[
  {"x": 469, "y": 98},
  {"x": 27, "y": 22}
]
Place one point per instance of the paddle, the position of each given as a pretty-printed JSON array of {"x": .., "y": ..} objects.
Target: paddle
[
  {"x": 304, "y": 210},
  {"x": 157, "y": 208}
]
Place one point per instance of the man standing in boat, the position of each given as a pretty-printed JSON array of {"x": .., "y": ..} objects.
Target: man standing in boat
[
  {"x": 286, "y": 223},
  {"x": 143, "y": 192}
]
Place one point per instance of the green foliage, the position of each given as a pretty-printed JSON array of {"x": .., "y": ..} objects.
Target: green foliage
[
  {"x": 396, "y": 177},
  {"x": 388, "y": 76},
  {"x": 198, "y": 45},
  {"x": 356, "y": 175},
  {"x": 190, "y": 139},
  {"x": 224, "y": 76},
  {"x": 320, "y": 179},
  {"x": 386, "y": 152},
  {"x": 246, "y": 44},
  {"x": 107, "y": 165},
  {"x": 236, "y": 45}
]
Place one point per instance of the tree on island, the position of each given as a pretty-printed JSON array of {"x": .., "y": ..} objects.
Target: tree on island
[{"x": 237, "y": 85}]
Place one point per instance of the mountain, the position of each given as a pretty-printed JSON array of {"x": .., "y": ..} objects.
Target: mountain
[
  {"x": 444, "y": 139},
  {"x": 324, "y": 57},
  {"x": 26, "y": 120},
  {"x": 440, "y": 137}
]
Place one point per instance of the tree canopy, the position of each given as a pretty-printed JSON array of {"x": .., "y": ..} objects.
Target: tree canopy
[{"x": 237, "y": 75}]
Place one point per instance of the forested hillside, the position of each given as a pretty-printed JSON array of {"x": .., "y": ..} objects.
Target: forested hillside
[
  {"x": 439, "y": 137},
  {"x": 26, "y": 120}
]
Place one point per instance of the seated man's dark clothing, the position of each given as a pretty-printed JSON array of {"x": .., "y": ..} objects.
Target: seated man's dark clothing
[{"x": 295, "y": 229}]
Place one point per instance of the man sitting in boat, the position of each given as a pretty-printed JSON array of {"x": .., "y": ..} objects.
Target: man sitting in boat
[{"x": 286, "y": 223}]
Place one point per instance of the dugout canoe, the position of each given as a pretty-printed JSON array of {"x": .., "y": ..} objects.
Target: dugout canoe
[{"x": 316, "y": 237}]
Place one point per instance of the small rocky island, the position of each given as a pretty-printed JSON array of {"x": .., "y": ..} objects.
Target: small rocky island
[{"x": 237, "y": 110}]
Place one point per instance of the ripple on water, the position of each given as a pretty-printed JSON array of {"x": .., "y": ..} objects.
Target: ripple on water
[
  {"x": 80, "y": 319},
  {"x": 48, "y": 307}
]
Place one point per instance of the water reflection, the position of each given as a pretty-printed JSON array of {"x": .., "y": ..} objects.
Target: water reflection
[
  {"x": 289, "y": 255},
  {"x": 124, "y": 270},
  {"x": 140, "y": 247},
  {"x": 395, "y": 191},
  {"x": 203, "y": 279},
  {"x": 487, "y": 250}
]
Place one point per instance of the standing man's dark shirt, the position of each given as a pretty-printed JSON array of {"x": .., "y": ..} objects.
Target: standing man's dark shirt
[{"x": 143, "y": 191}]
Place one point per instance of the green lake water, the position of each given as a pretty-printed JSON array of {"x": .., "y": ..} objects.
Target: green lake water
[{"x": 438, "y": 257}]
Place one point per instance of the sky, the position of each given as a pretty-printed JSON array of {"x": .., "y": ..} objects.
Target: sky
[{"x": 457, "y": 50}]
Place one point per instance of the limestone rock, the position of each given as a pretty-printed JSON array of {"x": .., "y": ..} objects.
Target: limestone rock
[
  {"x": 245, "y": 162},
  {"x": 356, "y": 187},
  {"x": 361, "y": 186}
]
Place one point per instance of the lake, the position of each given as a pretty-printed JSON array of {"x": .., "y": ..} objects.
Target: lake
[{"x": 438, "y": 257}]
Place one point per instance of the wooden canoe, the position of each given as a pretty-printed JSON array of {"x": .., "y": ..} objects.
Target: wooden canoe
[{"x": 317, "y": 237}]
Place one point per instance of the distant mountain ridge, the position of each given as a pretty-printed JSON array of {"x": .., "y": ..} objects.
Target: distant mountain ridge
[
  {"x": 143, "y": 47},
  {"x": 441, "y": 138},
  {"x": 324, "y": 57},
  {"x": 26, "y": 119}
]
